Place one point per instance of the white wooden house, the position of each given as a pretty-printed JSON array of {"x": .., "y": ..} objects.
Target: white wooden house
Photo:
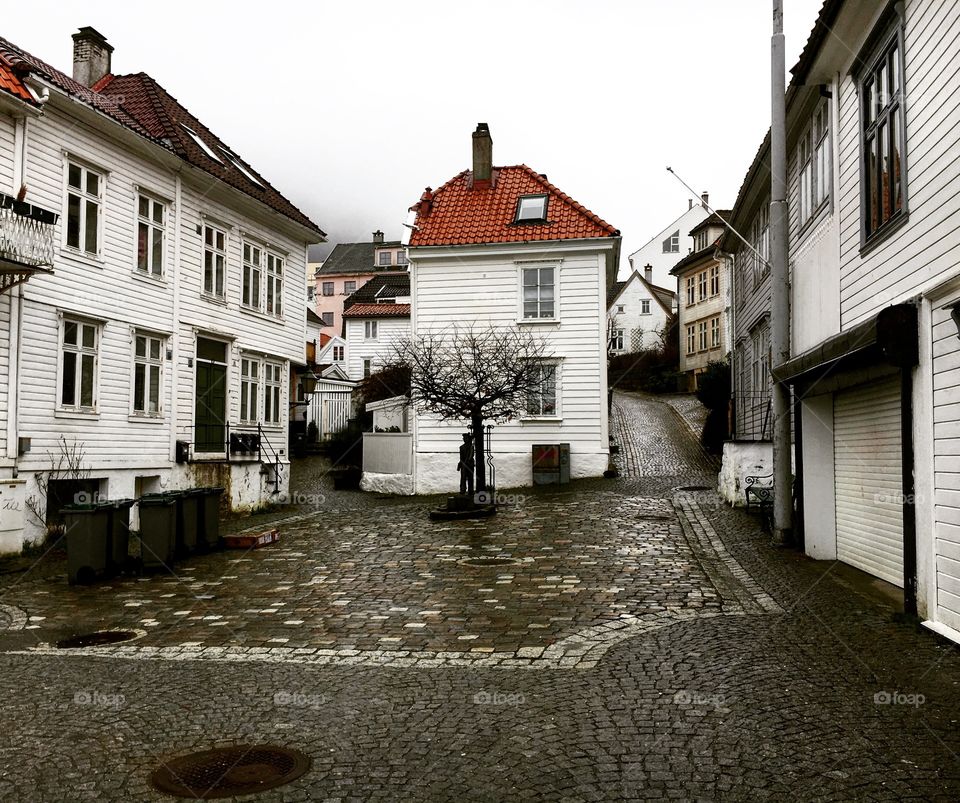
[
  {"x": 637, "y": 313},
  {"x": 666, "y": 247},
  {"x": 169, "y": 323},
  {"x": 375, "y": 318},
  {"x": 481, "y": 244},
  {"x": 875, "y": 296}
]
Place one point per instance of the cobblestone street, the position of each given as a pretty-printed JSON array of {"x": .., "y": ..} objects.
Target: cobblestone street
[{"x": 614, "y": 639}]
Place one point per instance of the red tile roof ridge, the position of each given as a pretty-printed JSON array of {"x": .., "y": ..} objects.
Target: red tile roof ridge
[
  {"x": 377, "y": 311},
  {"x": 566, "y": 198}
]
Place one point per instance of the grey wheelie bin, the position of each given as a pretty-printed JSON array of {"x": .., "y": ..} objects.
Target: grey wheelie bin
[
  {"x": 118, "y": 534},
  {"x": 158, "y": 530},
  {"x": 209, "y": 520},
  {"x": 86, "y": 528}
]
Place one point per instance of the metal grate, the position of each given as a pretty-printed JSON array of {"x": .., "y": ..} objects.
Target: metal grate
[{"x": 229, "y": 771}]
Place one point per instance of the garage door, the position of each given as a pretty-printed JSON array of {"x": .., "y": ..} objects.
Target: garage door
[{"x": 867, "y": 460}]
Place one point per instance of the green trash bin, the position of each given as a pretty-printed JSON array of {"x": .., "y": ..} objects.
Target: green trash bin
[
  {"x": 118, "y": 534},
  {"x": 209, "y": 521},
  {"x": 86, "y": 527},
  {"x": 158, "y": 530},
  {"x": 188, "y": 503}
]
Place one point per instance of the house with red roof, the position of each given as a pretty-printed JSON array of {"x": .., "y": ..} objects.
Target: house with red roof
[
  {"x": 156, "y": 334},
  {"x": 503, "y": 246},
  {"x": 376, "y": 317}
]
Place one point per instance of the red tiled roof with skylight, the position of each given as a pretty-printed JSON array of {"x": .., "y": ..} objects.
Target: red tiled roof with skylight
[{"x": 459, "y": 213}]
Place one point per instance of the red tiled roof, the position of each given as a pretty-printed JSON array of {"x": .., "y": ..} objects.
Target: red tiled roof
[
  {"x": 10, "y": 82},
  {"x": 378, "y": 311},
  {"x": 461, "y": 213},
  {"x": 139, "y": 103}
]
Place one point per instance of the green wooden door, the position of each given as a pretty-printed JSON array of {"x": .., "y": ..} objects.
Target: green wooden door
[{"x": 211, "y": 407}]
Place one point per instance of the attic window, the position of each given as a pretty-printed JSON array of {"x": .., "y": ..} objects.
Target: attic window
[
  {"x": 531, "y": 209},
  {"x": 201, "y": 144},
  {"x": 235, "y": 161}
]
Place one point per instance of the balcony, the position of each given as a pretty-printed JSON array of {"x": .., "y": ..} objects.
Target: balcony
[{"x": 27, "y": 237}]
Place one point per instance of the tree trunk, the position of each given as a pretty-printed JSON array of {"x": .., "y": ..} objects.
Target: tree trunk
[{"x": 479, "y": 457}]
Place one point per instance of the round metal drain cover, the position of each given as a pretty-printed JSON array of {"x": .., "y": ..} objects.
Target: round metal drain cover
[
  {"x": 230, "y": 771},
  {"x": 99, "y": 639},
  {"x": 491, "y": 561}
]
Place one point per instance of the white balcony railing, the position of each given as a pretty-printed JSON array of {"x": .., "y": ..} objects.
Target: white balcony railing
[{"x": 26, "y": 233}]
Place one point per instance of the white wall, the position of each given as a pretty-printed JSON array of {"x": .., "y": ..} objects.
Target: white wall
[
  {"x": 819, "y": 493},
  {"x": 389, "y": 331},
  {"x": 641, "y": 331},
  {"x": 482, "y": 286},
  {"x": 652, "y": 252}
]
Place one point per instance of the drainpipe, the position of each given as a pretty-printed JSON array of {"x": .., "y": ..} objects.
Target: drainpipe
[
  {"x": 14, "y": 340},
  {"x": 174, "y": 380},
  {"x": 730, "y": 260},
  {"x": 780, "y": 307}
]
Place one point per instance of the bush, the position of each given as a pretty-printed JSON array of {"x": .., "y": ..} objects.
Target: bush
[
  {"x": 713, "y": 386},
  {"x": 394, "y": 380}
]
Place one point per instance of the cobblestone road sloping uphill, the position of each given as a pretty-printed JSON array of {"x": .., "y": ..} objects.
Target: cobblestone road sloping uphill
[{"x": 642, "y": 642}]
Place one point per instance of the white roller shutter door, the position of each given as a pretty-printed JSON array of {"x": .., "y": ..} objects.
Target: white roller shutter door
[{"x": 869, "y": 482}]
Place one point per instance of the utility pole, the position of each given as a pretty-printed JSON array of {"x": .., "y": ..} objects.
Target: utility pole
[{"x": 780, "y": 281}]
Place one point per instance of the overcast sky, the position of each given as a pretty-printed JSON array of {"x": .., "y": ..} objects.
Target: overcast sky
[{"x": 351, "y": 108}]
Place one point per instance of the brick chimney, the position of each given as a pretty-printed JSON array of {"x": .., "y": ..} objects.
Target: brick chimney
[
  {"x": 91, "y": 56},
  {"x": 378, "y": 237},
  {"x": 648, "y": 273},
  {"x": 482, "y": 155}
]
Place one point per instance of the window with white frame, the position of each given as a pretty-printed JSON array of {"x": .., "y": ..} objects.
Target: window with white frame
[
  {"x": 702, "y": 286},
  {"x": 621, "y": 308},
  {"x": 542, "y": 399},
  {"x": 249, "y": 389},
  {"x": 702, "y": 335},
  {"x": 79, "y": 357},
  {"x": 214, "y": 261},
  {"x": 151, "y": 234},
  {"x": 691, "y": 339},
  {"x": 402, "y": 258},
  {"x": 338, "y": 353},
  {"x": 761, "y": 360},
  {"x": 384, "y": 258},
  {"x": 672, "y": 244},
  {"x": 814, "y": 164},
  {"x": 84, "y": 206},
  {"x": 147, "y": 373},
  {"x": 311, "y": 290},
  {"x": 367, "y": 367},
  {"x": 691, "y": 291},
  {"x": 327, "y": 288},
  {"x": 616, "y": 340},
  {"x": 539, "y": 292},
  {"x": 273, "y": 302},
  {"x": 370, "y": 330},
  {"x": 531, "y": 209},
  {"x": 272, "y": 387},
  {"x": 349, "y": 288},
  {"x": 715, "y": 280},
  {"x": 252, "y": 275},
  {"x": 644, "y": 306},
  {"x": 715, "y": 333}
]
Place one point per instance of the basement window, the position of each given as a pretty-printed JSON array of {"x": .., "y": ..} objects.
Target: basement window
[{"x": 531, "y": 209}]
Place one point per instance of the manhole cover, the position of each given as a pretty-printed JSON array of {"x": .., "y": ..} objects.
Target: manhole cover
[
  {"x": 229, "y": 771},
  {"x": 98, "y": 639},
  {"x": 489, "y": 561}
]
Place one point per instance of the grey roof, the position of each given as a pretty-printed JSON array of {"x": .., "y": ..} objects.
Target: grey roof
[
  {"x": 353, "y": 258},
  {"x": 386, "y": 285},
  {"x": 312, "y": 317},
  {"x": 613, "y": 291}
]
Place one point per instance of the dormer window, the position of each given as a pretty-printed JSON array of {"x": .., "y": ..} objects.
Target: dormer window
[{"x": 531, "y": 209}]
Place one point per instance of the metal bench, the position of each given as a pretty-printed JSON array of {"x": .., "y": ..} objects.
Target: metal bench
[{"x": 758, "y": 492}]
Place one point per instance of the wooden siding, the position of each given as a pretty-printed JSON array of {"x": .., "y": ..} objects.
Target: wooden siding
[
  {"x": 485, "y": 290},
  {"x": 389, "y": 331},
  {"x": 7, "y": 154},
  {"x": 925, "y": 247}
]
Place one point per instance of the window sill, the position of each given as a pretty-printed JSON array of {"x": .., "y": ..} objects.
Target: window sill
[
  {"x": 79, "y": 415},
  {"x": 881, "y": 235},
  {"x": 538, "y": 321},
  {"x": 255, "y": 313},
  {"x": 542, "y": 419},
  {"x": 220, "y": 301},
  {"x": 149, "y": 278},
  {"x": 136, "y": 418},
  {"x": 82, "y": 257}
]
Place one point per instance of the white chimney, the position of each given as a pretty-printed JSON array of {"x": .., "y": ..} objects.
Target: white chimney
[
  {"x": 648, "y": 273},
  {"x": 91, "y": 56}
]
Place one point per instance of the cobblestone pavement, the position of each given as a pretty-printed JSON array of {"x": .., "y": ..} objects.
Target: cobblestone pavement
[{"x": 646, "y": 643}]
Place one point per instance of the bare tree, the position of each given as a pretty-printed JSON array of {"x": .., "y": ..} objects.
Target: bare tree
[{"x": 474, "y": 374}]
